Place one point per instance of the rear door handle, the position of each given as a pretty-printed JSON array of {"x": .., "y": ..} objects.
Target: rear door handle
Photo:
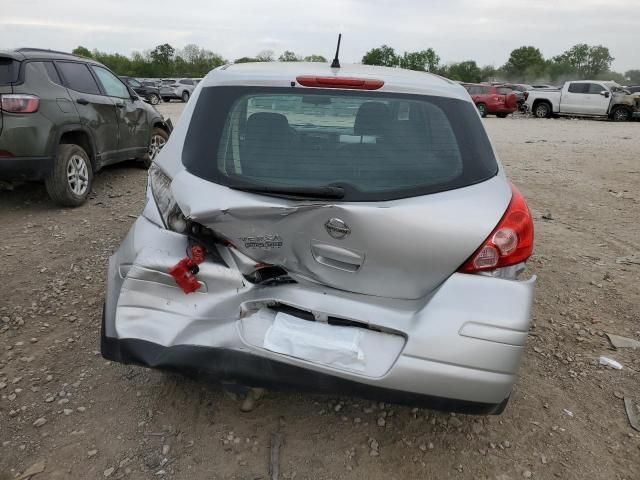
[{"x": 82, "y": 101}]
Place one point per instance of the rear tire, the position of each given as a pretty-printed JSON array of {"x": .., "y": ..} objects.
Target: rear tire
[
  {"x": 185, "y": 97},
  {"x": 621, "y": 114},
  {"x": 501, "y": 115},
  {"x": 542, "y": 110},
  {"x": 70, "y": 182},
  {"x": 166, "y": 99},
  {"x": 154, "y": 99},
  {"x": 482, "y": 109}
]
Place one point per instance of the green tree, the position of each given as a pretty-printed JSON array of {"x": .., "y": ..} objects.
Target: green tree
[
  {"x": 524, "y": 62},
  {"x": 560, "y": 71},
  {"x": 196, "y": 61},
  {"x": 288, "y": 56},
  {"x": 140, "y": 66},
  {"x": 82, "y": 52},
  {"x": 315, "y": 58},
  {"x": 384, "y": 55},
  {"x": 587, "y": 61},
  {"x": 265, "y": 56},
  {"x": 464, "y": 71},
  {"x": 488, "y": 73},
  {"x": 600, "y": 60},
  {"x": 245, "y": 60},
  {"x": 424, "y": 60},
  {"x": 632, "y": 77},
  {"x": 116, "y": 62},
  {"x": 163, "y": 53}
]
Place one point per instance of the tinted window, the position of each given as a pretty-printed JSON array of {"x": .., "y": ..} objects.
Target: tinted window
[
  {"x": 111, "y": 84},
  {"x": 8, "y": 70},
  {"x": 595, "y": 88},
  {"x": 503, "y": 90},
  {"x": 376, "y": 146},
  {"x": 578, "y": 87},
  {"x": 78, "y": 77},
  {"x": 134, "y": 83},
  {"x": 186, "y": 82},
  {"x": 52, "y": 72}
]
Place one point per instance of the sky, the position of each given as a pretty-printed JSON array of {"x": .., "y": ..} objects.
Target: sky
[{"x": 482, "y": 30}]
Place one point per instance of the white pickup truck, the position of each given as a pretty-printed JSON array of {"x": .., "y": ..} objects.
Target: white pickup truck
[{"x": 591, "y": 98}]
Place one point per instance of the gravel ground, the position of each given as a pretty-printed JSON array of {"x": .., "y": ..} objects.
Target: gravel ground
[{"x": 70, "y": 413}]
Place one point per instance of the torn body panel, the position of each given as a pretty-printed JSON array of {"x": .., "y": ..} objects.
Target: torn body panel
[{"x": 397, "y": 249}]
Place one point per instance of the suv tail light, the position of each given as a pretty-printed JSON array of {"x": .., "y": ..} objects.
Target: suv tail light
[
  {"x": 510, "y": 243},
  {"x": 18, "y": 103},
  {"x": 340, "y": 82}
]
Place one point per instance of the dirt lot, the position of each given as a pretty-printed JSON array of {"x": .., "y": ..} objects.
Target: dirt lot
[{"x": 85, "y": 418}]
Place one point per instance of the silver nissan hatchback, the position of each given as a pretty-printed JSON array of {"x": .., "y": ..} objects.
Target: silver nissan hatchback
[{"x": 342, "y": 230}]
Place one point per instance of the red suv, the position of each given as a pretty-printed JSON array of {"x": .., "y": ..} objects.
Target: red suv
[{"x": 491, "y": 99}]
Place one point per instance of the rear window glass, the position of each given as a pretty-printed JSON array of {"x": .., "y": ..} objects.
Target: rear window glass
[
  {"x": 78, "y": 77},
  {"x": 376, "y": 146},
  {"x": 503, "y": 90},
  {"x": 52, "y": 72},
  {"x": 8, "y": 70}
]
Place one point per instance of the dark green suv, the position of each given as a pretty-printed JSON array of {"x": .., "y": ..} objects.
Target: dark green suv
[{"x": 63, "y": 117}]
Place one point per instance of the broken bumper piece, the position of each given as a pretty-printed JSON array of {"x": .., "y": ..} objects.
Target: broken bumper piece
[{"x": 458, "y": 349}]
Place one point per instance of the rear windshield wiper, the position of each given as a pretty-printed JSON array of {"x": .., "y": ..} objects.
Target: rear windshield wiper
[{"x": 312, "y": 192}]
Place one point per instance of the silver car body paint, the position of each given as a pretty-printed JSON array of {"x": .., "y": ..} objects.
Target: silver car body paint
[
  {"x": 400, "y": 249},
  {"x": 456, "y": 336}
]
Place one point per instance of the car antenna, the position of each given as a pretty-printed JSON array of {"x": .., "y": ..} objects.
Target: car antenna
[{"x": 336, "y": 61}]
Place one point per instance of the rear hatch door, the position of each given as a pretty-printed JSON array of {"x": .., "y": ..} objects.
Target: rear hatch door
[{"x": 419, "y": 185}]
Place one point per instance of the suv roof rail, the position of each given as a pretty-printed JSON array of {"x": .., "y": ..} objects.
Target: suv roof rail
[{"x": 29, "y": 49}]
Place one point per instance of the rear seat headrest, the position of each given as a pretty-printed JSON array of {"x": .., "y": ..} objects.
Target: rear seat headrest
[{"x": 373, "y": 118}]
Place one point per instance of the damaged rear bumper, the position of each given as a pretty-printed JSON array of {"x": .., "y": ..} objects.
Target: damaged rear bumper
[
  {"x": 235, "y": 366},
  {"x": 457, "y": 349}
]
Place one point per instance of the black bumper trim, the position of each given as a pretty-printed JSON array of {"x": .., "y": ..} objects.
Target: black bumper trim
[
  {"x": 240, "y": 367},
  {"x": 25, "y": 168}
]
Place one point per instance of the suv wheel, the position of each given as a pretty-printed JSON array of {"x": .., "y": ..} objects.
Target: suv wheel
[
  {"x": 185, "y": 97},
  {"x": 166, "y": 99},
  {"x": 482, "y": 108},
  {"x": 72, "y": 177},
  {"x": 158, "y": 140},
  {"x": 154, "y": 99}
]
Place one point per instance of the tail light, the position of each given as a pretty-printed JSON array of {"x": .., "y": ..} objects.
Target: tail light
[
  {"x": 526, "y": 95},
  {"x": 19, "y": 103},
  {"x": 5, "y": 154},
  {"x": 340, "y": 82},
  {"x": 510, "y": 243},
  {"x": 498, "y": 98}
]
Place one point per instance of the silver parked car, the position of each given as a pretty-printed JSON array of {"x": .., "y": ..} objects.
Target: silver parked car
[
  {"x": 181, "y": 89},
  {"x": 342, "y": 230}
]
